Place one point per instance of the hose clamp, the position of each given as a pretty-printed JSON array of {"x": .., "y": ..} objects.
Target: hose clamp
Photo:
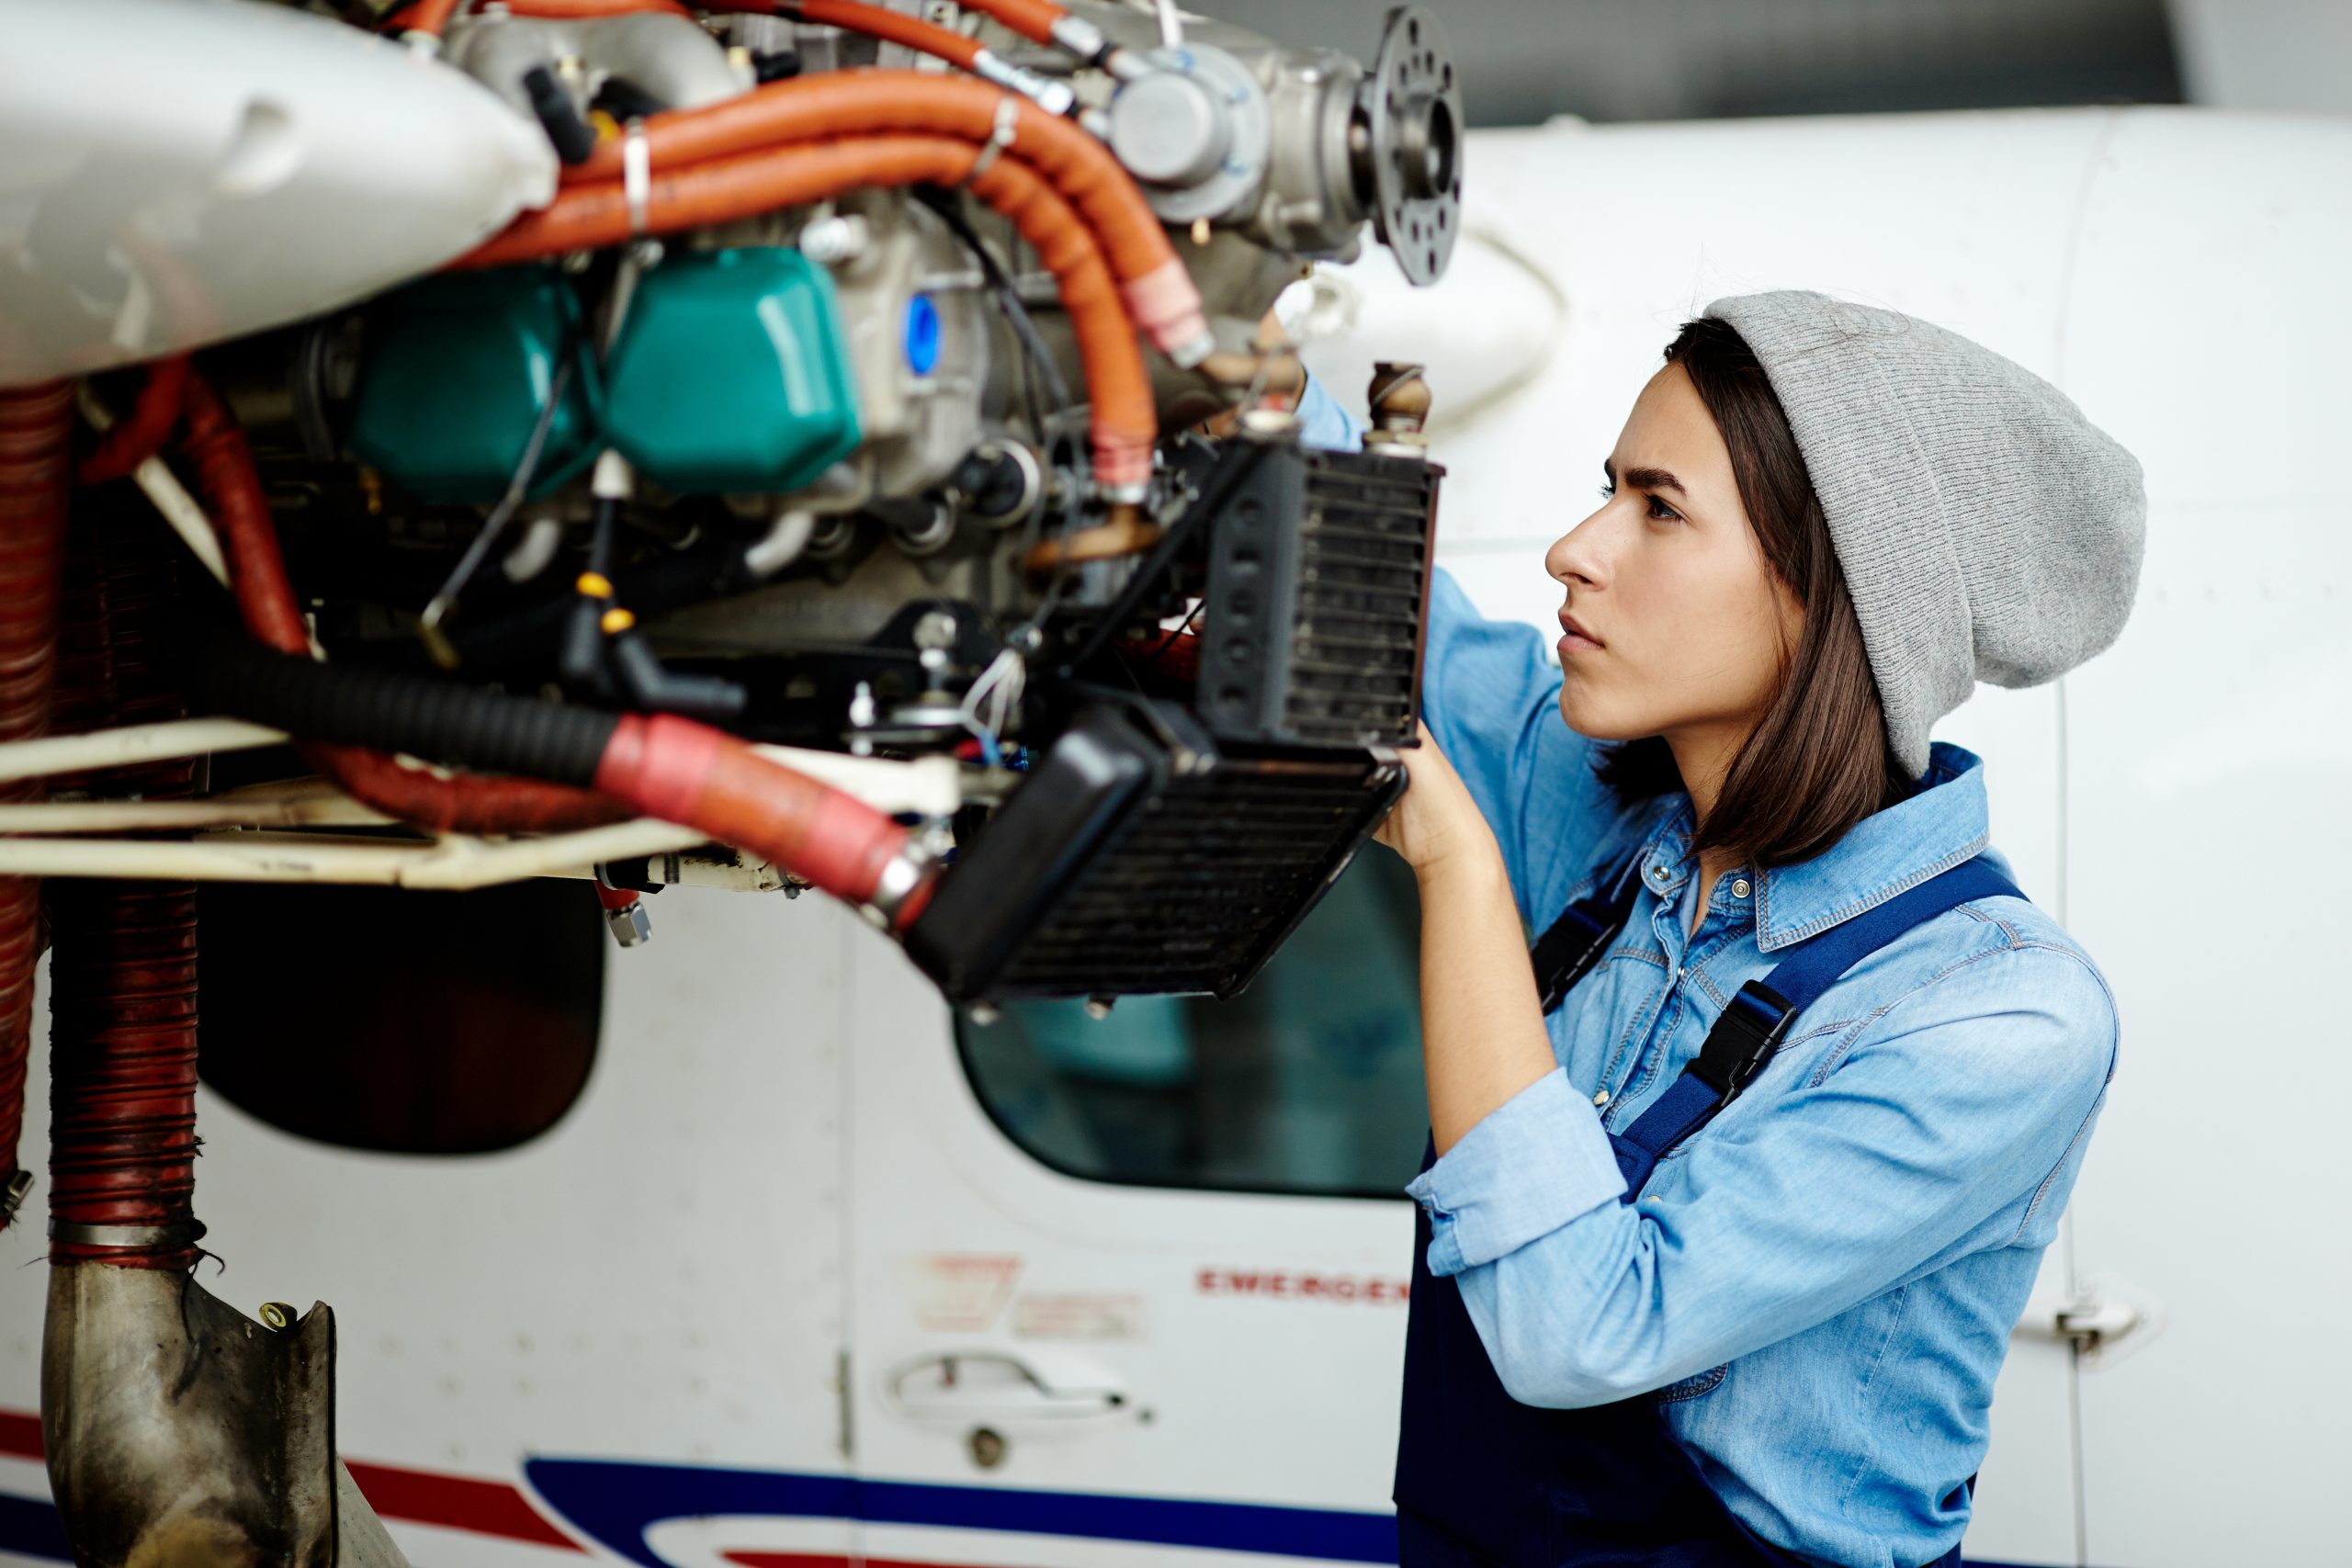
[
  {"x": 903, "y": 872},
  {"x": 178, "y": 1233},
  {"x": 1008, "y": 120},
  {"x": 636, "y": 174}
]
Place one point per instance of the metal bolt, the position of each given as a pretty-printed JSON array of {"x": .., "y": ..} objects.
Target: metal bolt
[
  {"x": 927, "y": 537},
  {"x": 830, "y": 241},
  {"x": 277, "y": 1316},
  {"x": 632, "y": 927},
  {"x": 936, "y": 628}
]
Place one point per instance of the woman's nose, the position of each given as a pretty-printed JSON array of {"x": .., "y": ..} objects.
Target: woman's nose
[{"x": 1576, "y": 557}]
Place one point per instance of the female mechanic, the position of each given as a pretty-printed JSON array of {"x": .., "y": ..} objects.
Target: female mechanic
[{"x": 1736, "y": 1191}]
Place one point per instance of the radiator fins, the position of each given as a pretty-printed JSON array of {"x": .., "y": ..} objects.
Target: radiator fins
[
  {"x": 1139, "y": 858},
  {"x": 1317, "y": 594}
]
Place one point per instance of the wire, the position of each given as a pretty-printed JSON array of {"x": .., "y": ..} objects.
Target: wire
[
  {"x": 1185, "y": 625},
  {"x": 436, "y": 610},
  {"x": 1039, "y": 357},
  {"x": 1024, "y": 327}
]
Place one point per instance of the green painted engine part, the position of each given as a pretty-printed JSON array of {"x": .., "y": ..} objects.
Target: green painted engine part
[
  {"x": 457, "y": 373},
  {"x": 732, "y": 374}
]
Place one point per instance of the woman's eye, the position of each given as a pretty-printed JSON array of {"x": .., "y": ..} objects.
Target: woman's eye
[{"x": 1662, "y": 511}]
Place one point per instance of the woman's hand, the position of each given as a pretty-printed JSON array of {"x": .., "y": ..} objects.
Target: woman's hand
[{"x": 1435, "y": 824}]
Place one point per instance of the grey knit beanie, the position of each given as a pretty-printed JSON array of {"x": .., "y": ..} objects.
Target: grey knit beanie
[{"x": 1987, "y": 530}]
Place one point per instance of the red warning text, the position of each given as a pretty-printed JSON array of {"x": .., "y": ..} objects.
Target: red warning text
[{"x": 1295, "y": 1285}]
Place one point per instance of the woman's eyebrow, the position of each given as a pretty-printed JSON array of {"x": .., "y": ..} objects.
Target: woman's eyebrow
[{"x": 1654, "y": 479}]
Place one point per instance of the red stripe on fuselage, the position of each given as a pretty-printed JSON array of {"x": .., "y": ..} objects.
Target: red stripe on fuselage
[
  {"x": 19, "y": 1435},
  {"x": 409, "y": 1496},
  {"x": 455, "y": 1502}
]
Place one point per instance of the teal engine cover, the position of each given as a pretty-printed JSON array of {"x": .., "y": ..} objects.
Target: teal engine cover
[
  {"x": 732, "y": 374},
  {"x": 459, "y": 370}
]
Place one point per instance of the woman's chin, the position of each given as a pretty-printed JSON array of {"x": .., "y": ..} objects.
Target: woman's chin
[{"x": 1593, "y": 723}]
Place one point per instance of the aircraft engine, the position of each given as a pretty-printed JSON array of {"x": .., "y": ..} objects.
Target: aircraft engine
[{"x": 771, "y": 445}]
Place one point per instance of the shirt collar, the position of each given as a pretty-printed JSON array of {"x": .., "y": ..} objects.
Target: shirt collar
[{"x": 1945, "y": 823}]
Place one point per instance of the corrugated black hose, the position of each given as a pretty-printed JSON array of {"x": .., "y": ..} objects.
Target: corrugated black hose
[{"x": 456, "y": 726}]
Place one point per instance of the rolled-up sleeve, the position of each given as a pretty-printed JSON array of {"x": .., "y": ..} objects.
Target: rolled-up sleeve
[
  {"x": 1959, "y": 1112},
  {"x": 1533, "y": 1164}
]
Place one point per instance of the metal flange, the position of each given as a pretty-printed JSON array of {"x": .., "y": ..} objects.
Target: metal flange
[{"x": 1407, "y": 143}]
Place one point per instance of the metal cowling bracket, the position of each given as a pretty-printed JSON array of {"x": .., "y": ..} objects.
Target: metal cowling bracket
[{"x": 179, "y": 1430}]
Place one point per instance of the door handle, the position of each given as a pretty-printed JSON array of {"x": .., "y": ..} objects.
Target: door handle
[
  {"x": 2098, "y": 1318},
  {"x": 996, "y": 1388}
]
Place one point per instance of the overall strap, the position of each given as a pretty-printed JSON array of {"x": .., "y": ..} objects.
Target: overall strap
[
  {"x": 1753, "y": 1026},
  {"x": 1572, "y": 944}
]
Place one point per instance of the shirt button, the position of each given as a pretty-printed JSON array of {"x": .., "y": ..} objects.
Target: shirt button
[
  {"x": 1658, "y": 871},
  {"x": 1600, "y": 1099},
  {"x": 1739, "y": 887}
]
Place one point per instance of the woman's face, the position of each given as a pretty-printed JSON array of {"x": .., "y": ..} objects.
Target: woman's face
[{"x": 1674, "y": 624}]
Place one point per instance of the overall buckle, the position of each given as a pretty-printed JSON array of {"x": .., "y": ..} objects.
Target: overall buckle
[{"x": 1744, "y": 1038}]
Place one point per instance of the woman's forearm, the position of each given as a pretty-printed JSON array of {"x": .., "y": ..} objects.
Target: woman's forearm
[{"x": 1482, "y": 1029}]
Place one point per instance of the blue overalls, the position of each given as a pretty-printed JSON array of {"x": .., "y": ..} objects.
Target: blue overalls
[{"x": 1483, "y": 1480}]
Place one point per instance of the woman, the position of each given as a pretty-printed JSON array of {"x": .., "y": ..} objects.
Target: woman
[{"x": 1712, "y": 1276}]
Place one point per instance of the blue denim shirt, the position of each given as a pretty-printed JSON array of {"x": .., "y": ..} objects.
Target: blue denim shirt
[{"x": 1819, "y": 1286}]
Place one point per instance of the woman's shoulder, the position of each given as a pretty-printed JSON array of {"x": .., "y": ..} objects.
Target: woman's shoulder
[{"x": 2000, "y": 984}]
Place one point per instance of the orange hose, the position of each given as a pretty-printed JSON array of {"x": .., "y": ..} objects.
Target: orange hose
[
  {"x": 431, "y": 16},
  {"x": 1158, "y": 293},
  {"x": 566, "y": 10},
  {"x": 896, "y": 27},
  {"x": 1125, "y": 422},
  {"x": 1033, "y": 19}
]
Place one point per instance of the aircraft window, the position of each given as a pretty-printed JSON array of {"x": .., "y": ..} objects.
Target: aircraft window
[
  {"x": 377, "y": 1018},
  {"x": 1309, "y": 1081}
]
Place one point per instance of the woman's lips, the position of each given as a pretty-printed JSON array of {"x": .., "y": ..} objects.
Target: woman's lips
[{"x": 1575, "y": 638}]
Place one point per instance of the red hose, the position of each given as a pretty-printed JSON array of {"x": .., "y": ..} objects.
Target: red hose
[
  {"x": 36, "y": 426},
  {"x": 232, "y": 492},
  {"x": 140, "y": 433},
  {"x": 123, "y": 954},
  {"x": 683, "y": 771},
  {"x": 122, "y": 1068}
]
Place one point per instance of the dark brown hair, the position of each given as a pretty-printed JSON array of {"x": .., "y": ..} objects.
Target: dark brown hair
[{"x": 1817, "y": 761}]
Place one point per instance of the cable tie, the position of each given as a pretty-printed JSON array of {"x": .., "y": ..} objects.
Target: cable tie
[
  {"x": 1008, "y": 121},
  {"x": 636, "y": 174}
]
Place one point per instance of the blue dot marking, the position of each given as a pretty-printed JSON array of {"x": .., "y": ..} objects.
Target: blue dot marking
[{"x": 922, "y": 334}]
